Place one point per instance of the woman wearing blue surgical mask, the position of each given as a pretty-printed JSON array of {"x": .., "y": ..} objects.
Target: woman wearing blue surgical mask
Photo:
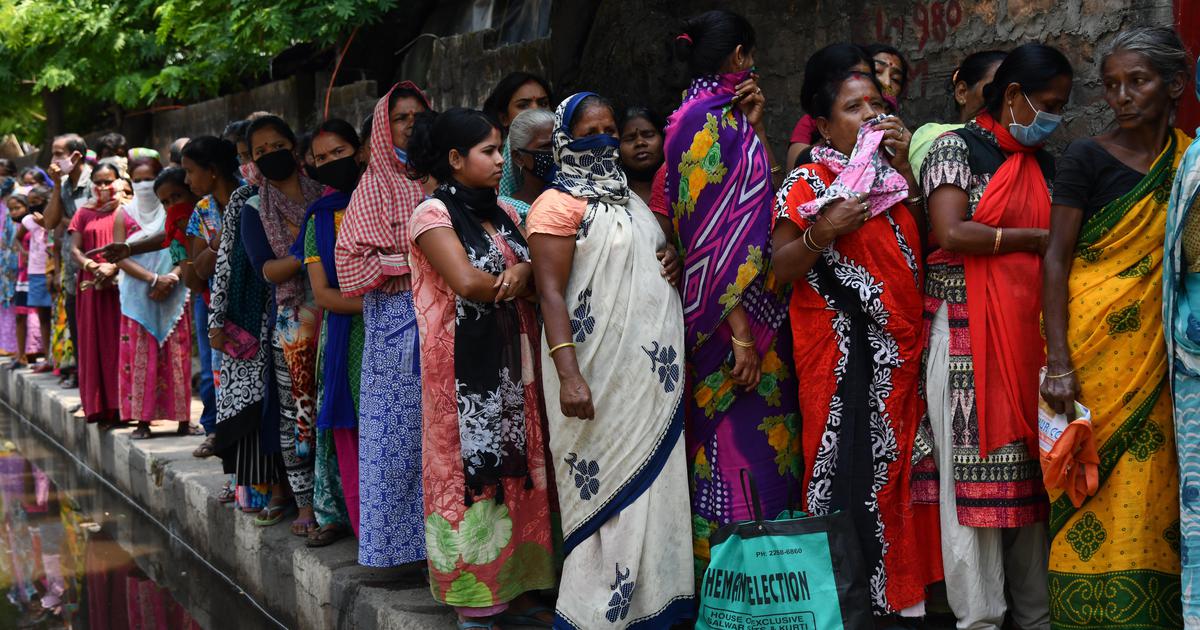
[
  {"x": 1103, "y": 293},
  {"x": 989, "y": 211},
  {"x": 529, "y": 142}
]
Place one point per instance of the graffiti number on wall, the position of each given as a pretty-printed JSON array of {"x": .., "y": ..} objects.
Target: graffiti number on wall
[{"x": 931, "y": 20}]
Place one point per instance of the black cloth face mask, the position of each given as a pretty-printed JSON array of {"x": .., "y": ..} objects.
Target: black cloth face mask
[
  {"x": 340, "y": 174},
  {"x": 277, "y": 165}
]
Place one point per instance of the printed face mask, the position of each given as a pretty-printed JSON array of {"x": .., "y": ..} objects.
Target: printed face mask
[
  {"x": 277, "y": 165},
  {"x": 103, "y": 193},
  {"x": 544, "y": 167},
  {"x": 1036, "y": 132}
]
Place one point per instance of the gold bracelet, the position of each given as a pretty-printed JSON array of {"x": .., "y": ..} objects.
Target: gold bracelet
[
  {"x": 1060, "y": 375},
  {"x": 996, "y": 247},
  {"x": 741, "y": 344},
  {"x": 569, "y": 344},
  {"x": 812, "y": 246},
  {"x": 776, "y": 169}
]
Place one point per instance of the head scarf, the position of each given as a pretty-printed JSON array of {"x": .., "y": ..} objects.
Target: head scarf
[
  {"x": 588, "y": 167},
  {"x": 276, "y": 211},
  {"x": 864, "y": 171},
  {"x": 150, "y": 220},
  {"x": 374, "y": 241}
]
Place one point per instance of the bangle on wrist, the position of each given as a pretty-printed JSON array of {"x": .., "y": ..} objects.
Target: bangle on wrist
[
  {"x": 1063, "y": 375},
  {"x": 999, "y": 235},
  {"x": 741, "y": 344},
  {"x": 569, "y": 344}
]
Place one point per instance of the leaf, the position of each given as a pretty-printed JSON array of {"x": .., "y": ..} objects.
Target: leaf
[{"x": 466, "y": 590}]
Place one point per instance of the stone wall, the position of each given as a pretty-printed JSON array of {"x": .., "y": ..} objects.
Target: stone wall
[{"x": 626, "y": 55}]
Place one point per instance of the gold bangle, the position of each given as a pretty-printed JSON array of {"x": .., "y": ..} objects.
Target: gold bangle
[
  {"x": 741, "y": 344},
  {"x": 776, "y": 169},
  {"x": 809, "y": 243},
  {"x": 1061, "y": 375},
  {"x": 996, "y": 247},
  {"x": 569, "y": 344}
]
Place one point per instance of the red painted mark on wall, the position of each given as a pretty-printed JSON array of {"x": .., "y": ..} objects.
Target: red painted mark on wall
[{"x": 932, "y": 20}]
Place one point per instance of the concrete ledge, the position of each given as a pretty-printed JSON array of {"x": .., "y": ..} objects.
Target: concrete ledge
[{"x": 302, "y": 587}]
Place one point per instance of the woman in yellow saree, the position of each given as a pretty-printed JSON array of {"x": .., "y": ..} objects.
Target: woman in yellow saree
[{"x": 1114, "y": 556}]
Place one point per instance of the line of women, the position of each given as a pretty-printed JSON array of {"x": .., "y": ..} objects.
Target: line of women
[{"x": 533, "y": 349}]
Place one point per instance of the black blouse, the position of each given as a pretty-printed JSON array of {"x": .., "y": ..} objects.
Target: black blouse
[{"x": 1089, "y": 178}]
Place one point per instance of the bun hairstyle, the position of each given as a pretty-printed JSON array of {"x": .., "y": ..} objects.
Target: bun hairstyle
[
  {"x": 832, "y": 61},
  {"x": 213, "y": 153},
  {"x": 706, "y": 40},
  {"x": 974, "y": 68},
  {"x": 1033, "y": 66},
  {"x": 339, "y": 128},
  {"x": 435, "y": 135},
  {"x": 270, "y": 121}
]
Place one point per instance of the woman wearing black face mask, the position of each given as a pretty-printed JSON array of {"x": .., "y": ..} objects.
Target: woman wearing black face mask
[
  {"x": 336, "y": 163},
  {"x": 270, "y": 224},
  {"x": 529, "y": 140}
]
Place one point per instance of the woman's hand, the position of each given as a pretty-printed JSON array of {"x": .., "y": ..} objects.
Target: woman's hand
[
  {"x": 161, "y": 289},
  {"x": 1043, "y": 240},
  {"x": 575, "y": 398},
  {"x": 896, "y": 139},
  {"x": 114, "y": 252},
  {"x": 513, "y": 282},
  {"x": 747, "y": 367},
  {"x": 1061, "y": 393},
  {"x": 672, "y": 264},
  {"x": 843, "y": 216},
  {"x": 217, "y": 339},
  {"x": 749, "y": 98}
]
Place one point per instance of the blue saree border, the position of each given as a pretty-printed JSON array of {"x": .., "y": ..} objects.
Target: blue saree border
[{"x": 634, "y": 487}]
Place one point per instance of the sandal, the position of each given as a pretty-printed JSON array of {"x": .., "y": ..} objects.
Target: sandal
[
  {"x": 206, "y": 448},
  {"x": 272, "y": 513},
  {"x": 142, "y": 432},
  {"x": 485, "y": 623},
  {"x": 227, "y": 494},
  {"x": 187, "y": 428},
  {"x": 43, "y": 367},
  {"x": 327, "y": 535},
  {"x": 527, "y": 617},
  {"x": 308, "y": 525}
]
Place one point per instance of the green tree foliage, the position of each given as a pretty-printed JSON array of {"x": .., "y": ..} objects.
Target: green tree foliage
[{"x": 136, "y": 53}]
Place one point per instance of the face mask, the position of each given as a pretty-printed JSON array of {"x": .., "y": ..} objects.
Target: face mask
[
  {"x": 598, "y": 141},
  {"x": 103, "y": 193},
  {"x": 249, "y": 173},
  {"x": 341, "y": 174},
  {"x": 544, "y": 167},
  {"x": 277, "y": 165},
  {"x": 65, "y": 165},
  {"x": 1036, "y": 132},
  {"x": 400, "y": 153},
  {"x": 143, "y": 194}
]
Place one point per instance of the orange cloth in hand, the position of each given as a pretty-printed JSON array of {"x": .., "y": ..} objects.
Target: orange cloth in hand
[{"x": 1073, "y": 465}]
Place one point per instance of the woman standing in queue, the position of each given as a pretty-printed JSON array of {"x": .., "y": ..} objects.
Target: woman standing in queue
[
  {"x": 278, "y": 213},
  {"x": 966, "y": 85},
  {"x": 1115, "y": 555},
  {"x": 989, "y": 210},
  {"x": 741, "y": 414},
  {"x": 98, "y": 305},
  {"x": 336, "y": 161},
  {"x": 529, "y": 140},
  {"x": 371, "y": 260},
  {"x": 483, "y": 440},
  {"x": 615, "y": 407},
  {"x": 515, "y": 93},
  {"x": 642, "y": 137},
  {"x": 852, "y": 255}
]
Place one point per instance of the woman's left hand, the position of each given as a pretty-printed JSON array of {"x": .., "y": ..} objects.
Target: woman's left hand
[
  {"x": 513, "y": 282},
  {"x": 749, "y": 98},
  {"x": 896, "y": 138},
  {"x": 672, "y": 264}
]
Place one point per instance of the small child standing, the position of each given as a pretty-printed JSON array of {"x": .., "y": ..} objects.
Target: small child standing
[{"x": 37, "y": 300}]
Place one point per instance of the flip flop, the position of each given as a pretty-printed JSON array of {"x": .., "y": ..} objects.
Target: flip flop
[
  {"x": 309, "y": 524},
  {"x": 526, "y": 617},
  {"x": 327, "y": 535},
  {"x": 141, "y": 433},
  {"x": 188, "y": 429},
  {"x": 206, "y": 448},
  {"x": 274, "y": 514}
]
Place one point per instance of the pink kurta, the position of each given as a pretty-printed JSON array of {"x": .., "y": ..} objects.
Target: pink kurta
[
  {"x": 500, "y": 567},
  {"x": 98, "y": 320}
]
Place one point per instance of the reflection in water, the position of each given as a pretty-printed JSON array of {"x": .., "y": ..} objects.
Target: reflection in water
[{"x": 75, "y": 554}]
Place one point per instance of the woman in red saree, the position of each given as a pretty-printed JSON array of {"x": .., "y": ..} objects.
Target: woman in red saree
[{"x": 850, "y": 246}]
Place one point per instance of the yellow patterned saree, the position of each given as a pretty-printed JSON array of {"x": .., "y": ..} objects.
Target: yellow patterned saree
[{"x": 1114, "y": 561}]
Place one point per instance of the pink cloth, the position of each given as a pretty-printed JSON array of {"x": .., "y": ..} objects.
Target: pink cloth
[
  {"x": 36, "y": 244},
  {"x": 98, "y": 320},
  {"x": 865, "y": 170},
  {"x": 345, "y": 442},
  {"x": 156, "y": 381},
  {"x": 8, "y": 331}
]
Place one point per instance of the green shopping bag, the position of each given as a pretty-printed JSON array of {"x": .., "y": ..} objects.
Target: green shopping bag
[{"x": 792, "y": 573}]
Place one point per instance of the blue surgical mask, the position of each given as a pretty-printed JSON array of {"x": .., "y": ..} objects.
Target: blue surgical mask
[{"x": 1037, "y": 132}]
